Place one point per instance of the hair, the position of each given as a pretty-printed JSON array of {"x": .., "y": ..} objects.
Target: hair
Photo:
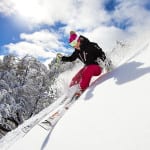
[{"x": 72, "y": 32}]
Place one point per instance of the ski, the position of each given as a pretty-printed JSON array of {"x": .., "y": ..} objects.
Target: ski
[
  {"x": 49, "y": 123},
  {"x": 28, "y": 126}
]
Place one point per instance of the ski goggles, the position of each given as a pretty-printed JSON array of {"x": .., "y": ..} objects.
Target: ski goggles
[{"x": 73, "y": 43}]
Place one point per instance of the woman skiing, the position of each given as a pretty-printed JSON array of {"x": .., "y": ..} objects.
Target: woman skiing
[{"x": 88, "y": 52}]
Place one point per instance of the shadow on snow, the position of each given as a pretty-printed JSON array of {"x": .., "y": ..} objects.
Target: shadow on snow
[{"x": 123, "y": 74}]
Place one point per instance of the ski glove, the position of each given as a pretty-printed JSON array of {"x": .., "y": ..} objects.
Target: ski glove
[
  {"x": 106, "y": 64},
  {"x": 103, "y": 57},
  {"x": 58, "y": 57}
]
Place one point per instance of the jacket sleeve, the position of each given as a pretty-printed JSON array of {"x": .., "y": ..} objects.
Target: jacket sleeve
[
  {"x": 99, "y": 52},
  {"x": 71, "y": 58}
]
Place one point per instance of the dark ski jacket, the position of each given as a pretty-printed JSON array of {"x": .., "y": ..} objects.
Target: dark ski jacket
[{"x": 88, "y": 53}]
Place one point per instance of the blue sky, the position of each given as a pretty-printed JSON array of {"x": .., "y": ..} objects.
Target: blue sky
[
  {"x": 41, "y": 28},
  {"x": 9, "y": 31}
]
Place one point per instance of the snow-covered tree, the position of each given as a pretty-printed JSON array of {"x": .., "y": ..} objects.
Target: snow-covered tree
[{"x": 26, "y": 87}]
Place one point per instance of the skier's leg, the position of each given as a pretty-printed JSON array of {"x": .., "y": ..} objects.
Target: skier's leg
[
  {"x": 76, "y": 79},
  {"x": 87, "y": 73}
]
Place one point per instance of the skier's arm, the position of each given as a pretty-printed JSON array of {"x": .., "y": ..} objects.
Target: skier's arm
[
  {"x": 70, "y": 58},
  {"x": 99, "y": 52}
]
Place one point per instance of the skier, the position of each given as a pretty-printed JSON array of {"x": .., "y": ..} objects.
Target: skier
[{"x": 88, "y": 52}]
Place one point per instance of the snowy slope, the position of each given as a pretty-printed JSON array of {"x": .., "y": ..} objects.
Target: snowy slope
[{"x": 112, "y": 114}]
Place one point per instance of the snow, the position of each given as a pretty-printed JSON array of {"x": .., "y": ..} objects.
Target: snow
[{"x": 112, "y": 114}]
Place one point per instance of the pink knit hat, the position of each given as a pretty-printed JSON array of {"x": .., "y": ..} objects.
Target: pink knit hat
[{"x": 74, "y": 38}]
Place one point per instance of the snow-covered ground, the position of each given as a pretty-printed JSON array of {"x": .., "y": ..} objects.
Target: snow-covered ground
[{"x": 112, "y": 114}]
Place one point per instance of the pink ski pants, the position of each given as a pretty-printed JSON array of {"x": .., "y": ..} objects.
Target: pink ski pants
[{"x": 83, "y": 77}]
